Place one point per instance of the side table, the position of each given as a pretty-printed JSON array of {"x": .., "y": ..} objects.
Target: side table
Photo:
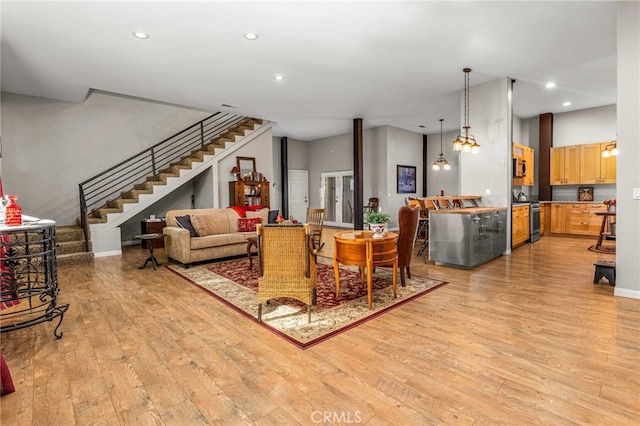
[
  {"x": 251, "y": 242},
  {"x": 151, "y": 258}
]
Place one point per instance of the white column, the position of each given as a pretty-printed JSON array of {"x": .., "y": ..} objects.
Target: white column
[{"x": 628, "y": 111}]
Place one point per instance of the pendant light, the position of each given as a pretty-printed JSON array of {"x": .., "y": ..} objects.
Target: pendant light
[
  {"x": 610, "y": 150},
  {"x": 466, "y": 142},
  {"x": 441, "y": 160}
]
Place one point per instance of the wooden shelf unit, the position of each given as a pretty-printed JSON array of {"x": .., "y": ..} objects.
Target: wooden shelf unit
[{"x": 249, "y": 193}]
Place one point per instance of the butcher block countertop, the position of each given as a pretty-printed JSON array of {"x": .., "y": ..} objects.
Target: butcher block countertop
[{"x": 469, "y": 210}]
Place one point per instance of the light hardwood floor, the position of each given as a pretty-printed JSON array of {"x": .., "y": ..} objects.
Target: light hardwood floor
[{"x": 524, "y": 339}]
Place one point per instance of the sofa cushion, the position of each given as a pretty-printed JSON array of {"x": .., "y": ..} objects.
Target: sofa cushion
[
  {"x": 248, "y": 225},
  {"x": 216, "y": 241},
  {"x": 210, "y": 224},
  {"x": 185, "y": 222},
  {"x": 262, "y": 214}
]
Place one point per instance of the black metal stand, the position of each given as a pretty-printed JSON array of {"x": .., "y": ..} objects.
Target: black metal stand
[
  {"x": 149, "y": 238},
  {"x": 29, "y": 280}
]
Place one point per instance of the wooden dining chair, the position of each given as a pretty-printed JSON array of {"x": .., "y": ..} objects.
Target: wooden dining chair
[{"x": 315, "y": 219}]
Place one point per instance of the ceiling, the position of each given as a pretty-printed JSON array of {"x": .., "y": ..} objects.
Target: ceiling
[{"x": 388, "y": 62}]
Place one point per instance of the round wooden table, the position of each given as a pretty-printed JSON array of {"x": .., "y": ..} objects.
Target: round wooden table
[{"x": 359, "y": 248}]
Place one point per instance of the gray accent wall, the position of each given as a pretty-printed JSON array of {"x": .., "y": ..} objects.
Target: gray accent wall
[{"x": 50, "y": 146}]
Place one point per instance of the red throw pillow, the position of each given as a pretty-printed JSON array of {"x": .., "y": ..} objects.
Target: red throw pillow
[{"x": 248, "y": 225}]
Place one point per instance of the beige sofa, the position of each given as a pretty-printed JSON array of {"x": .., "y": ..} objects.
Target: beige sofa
[{"x": 217, "y": 234}]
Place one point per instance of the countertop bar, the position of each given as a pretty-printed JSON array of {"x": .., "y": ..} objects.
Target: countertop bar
[
  {"x": 467, "y": 210},
  {"x": 572, "y": 202}
]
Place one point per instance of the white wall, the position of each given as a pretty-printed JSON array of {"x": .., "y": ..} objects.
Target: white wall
[
  {"x": 628, "y": 111},
  {"x": 585, "y": 126},
  {"x": 445, "y": 180},
  {"x": 50, "y": 146},
  {"x": 490, "y": 121}
]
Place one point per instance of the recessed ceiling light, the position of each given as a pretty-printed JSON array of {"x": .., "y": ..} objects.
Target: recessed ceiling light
[
  {"x": 251, "y": 36},
  {"x": 566, "y": 103},
  {"x": 550, "y": 85},
  {"x": 278, "y": 77},
  {"x": 422, "y": 126},
  {"x": 141, "y": 35}
]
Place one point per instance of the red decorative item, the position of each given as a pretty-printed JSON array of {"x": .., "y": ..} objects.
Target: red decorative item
[{"x": 13, "y": 215}]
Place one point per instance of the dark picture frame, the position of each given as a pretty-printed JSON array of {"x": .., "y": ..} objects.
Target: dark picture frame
[
  {"x": 406, "y": 177},
  {"x": 246, "y": 167},
  {"x": 585, "y": 193}
]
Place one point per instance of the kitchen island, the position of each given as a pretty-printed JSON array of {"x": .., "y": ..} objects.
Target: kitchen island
[{"x": 467, "y": 237}]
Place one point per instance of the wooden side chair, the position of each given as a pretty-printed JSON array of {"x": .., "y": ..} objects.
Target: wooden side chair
[
  {"x": 315, "y": 219},
  {"x": 374, "y": 202},
  {"x": 287, "y": 265}
]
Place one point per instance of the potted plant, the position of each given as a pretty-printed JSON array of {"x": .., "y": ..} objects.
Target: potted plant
[{"x": 377, "y": 222}]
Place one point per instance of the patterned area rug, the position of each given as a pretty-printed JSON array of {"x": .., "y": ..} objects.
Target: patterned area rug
[{"x": 235, "y": 285}]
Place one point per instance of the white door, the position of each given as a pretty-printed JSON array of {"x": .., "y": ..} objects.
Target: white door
[
  {"x": 336, "y": 197},
  {"x": 298, "y": 194}
]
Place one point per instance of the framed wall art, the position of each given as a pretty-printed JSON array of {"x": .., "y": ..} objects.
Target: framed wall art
[
  {"x": 585, "y": 193},
  {"x": 406, "y": 176}
]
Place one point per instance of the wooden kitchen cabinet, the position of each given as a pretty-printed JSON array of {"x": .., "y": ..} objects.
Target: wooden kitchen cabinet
[
  {"x": 593, "y": 167},
  {"x": 542, "y": 217},
  {"x": 249, "y": 193},
  {"x": 576, "y": 218},
  {"x": 557, "y": 219},
  {"x": 527, "y": 154},
  {"x": 519, "y": 224},
  {"x": 565, "y": 165}
]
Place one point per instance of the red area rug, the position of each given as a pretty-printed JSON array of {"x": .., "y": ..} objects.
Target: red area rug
[{"x": 235, "y": 285}]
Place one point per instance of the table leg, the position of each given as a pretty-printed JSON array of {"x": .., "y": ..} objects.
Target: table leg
[
  {"x": 336, "y": 274},
  {"x": 151, "y": 259},
  {"x": 602, "y": 228}
]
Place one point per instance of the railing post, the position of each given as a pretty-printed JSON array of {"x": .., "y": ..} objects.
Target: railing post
[
  {"x": 202, "y": 134},
  {"x": 84, "y": 221},
  {"x": 153, "y": 163}
]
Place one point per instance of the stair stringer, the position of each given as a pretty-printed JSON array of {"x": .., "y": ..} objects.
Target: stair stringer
[{"x": 106, "y": 237}]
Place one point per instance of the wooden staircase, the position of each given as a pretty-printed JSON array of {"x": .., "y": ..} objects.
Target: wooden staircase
[{"x": 99, "y": 215}]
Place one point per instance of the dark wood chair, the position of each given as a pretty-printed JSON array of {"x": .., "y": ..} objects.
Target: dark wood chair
[{"x": 408, "y": 217}]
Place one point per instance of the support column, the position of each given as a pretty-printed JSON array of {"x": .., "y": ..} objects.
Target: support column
[
  {"x": 284, "y": 176},
  {"x": 425, "y": 163},
  {"x": 544, "y": 156},
  {"x": 358, "y": 193}
]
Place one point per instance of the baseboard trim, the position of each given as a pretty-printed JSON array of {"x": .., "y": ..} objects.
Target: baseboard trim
[
  {"x": 626, "y": 292},
  {"x": 108, "y": 253}
]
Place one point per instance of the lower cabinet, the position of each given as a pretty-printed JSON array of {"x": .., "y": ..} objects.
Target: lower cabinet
[
  {"x": 519, "y": 225},
  {"x": 576, "y": 218}
]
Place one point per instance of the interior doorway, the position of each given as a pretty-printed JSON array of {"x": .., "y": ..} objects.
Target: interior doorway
[
  {"x": 298, "y": 193},
  {"x": 336, "y": 197}
]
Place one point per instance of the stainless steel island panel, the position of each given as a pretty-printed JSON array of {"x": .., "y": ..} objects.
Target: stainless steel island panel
[{"x": 467, "y": 238}]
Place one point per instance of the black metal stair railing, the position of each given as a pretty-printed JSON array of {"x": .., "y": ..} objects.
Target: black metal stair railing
[{"x": 109, "y": 184}]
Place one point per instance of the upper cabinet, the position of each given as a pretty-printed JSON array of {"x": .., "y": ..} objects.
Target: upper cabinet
[
  {"x": 593, "y": 167},
  {"x": 565, "y": 165},
  {"x": 523, "y": 164},
  {"x": 582, "y": 164}
]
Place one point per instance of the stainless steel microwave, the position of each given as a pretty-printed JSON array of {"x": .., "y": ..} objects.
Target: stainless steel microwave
[{"x": 519, "y": 167}]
